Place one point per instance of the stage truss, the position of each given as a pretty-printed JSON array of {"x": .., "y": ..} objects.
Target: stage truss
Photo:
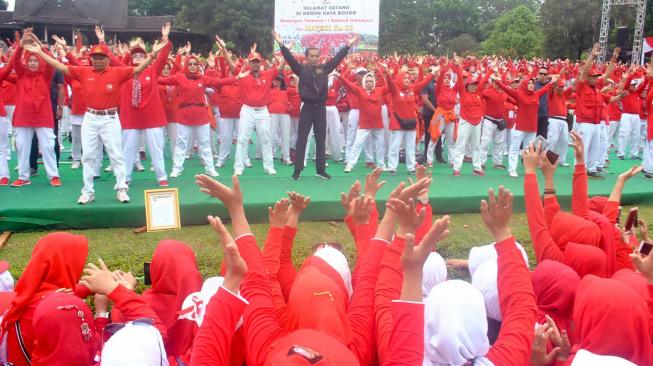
[{"x": 639, "y": 27}]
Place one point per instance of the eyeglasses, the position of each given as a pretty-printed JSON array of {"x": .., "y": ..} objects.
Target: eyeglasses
[
  {"x": 192, "y": 64},
  {"x": 543, "y": 73}
]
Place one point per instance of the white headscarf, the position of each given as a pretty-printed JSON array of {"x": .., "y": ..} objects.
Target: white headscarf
[
  {"x": 455, "y": 329},
  {"x": 485, "y": 281},
  {"x": 334, "y": 258},
  {"x": 480, "y": 254},
  {"x": 135, "y": 345},
  {"x": 587, "y": 358},
  {"x": 435, "y": 271},
  {"x": 6, "y": 282},
  {"x": 369, "y": 74}
]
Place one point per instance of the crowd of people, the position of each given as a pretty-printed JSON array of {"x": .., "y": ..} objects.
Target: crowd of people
[{"x": 119, "y": 100}]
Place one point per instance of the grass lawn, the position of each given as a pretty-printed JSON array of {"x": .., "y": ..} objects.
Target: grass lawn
[{"x": 122, "y": 249}]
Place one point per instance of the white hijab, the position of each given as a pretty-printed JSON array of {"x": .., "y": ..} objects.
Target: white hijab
[
  {"x": 455, "y": 329},
  {"x": 435, "y": 271},
  {"x": 587, "y": 358},
  {"x": 485, "y": 281},
  {"x": 135, "y": 345},
  {"x": 334, "y": 258},
  {"x": 6, "y": 282},
  {"x": 478, "y": 255}
]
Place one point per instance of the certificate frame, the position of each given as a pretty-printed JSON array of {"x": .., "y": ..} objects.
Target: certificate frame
[{"x": 166, "y": 194}]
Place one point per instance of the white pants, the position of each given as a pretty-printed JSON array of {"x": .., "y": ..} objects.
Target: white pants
[
  {"x": 362, "y": 137},
  {"x": 280, "y": 124},
  {"x": 447, "y": 138},
  {"x": 186, "y": 134},
  {"x": 491, "y": 134},
  {"x": 4, "y": 147},
  {"x": 154, "y": 140},
  {"x": 643, "y": 133},
  {"x": 250, "y": 120},
  {"x": 603, "y": 145},
  {"x": 612, "y": 131},
  {"x": 64, "y": 124},
  {"x": 352, "y": 131},
  {"x": 215, "y": 132},
  {"x": 10, "y": 116},
  {"x": 558, "y": 137},
  {"x": 171, "y": 129},
  {"x": 294, "y": 127},
  {"x": 647, "y": 156},
  {"x": 334, "y": 133},
  {"x": 397, "y": 138},
  {"x": 589, "y": 132},
  {"x": 96, "y": 131},
  {"x": 385, "y": 117},
  {"x": 518, "y": 138},
  {"x": 45, "y": 137},
  {"x": 629, "y": 131},
  {"x": 225, "y": 135},
  {"x": 344, "y": 120},
  {"x": 467, "y": 132}
]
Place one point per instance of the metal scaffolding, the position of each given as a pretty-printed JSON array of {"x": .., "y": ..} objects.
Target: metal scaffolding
[{"x": 639, "y": 27}]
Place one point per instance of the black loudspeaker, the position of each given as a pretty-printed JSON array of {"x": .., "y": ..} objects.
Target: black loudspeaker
[{"x": 623, "y": 38}]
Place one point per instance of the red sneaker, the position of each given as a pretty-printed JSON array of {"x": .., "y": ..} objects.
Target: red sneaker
[
  {"x": 478, "y": 173},
  {"x": 163, "y": 183},
  {"x": 456, "y": 173},
  {"x": 55, "y": 182},
  {"x": 4, "y": 181},
  {"x": 371, "y": 165},
  {"x": 19, "y": 183}
]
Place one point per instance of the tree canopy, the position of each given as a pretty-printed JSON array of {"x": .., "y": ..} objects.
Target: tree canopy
[{"x": 515, "y": 34}]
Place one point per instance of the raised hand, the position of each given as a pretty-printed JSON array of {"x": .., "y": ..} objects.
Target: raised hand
[
  {"x": 372, "y": 184},
  {"x": 579, "y": 147},
  {"x": 165, "y": 31},
  {"x": 277, "y": 37},
  {"x": 539, "y": 354},
  {"x": 348, "y": 198},
  {"x": 158, "y": 46},
  {"x": 243, "y": 74},
  {"x": 531, "y": 158},
  {"x": 298, "y": 202},
  {"x": 352, "y": 41},
  {"x": 253, "y": 48},
  {"x": 99, "y": 33},
  {"x": 236, "y": 266},
  {"x": 99, "y": 279},
  {"x": 361, "y": 209},
  {"x": 279, "y": 214},
  {"x": 220, "y": 42},
  {"x": 497, "y": 212},
  {"x": 230, "y": 197},
  {"x": 409, "y": 219},
  {"x": 59, "y": 40},
  {"x": 548, "y": 169},
  {"x": 560, "y": 339},
  {"x": 633, "y": 171}
]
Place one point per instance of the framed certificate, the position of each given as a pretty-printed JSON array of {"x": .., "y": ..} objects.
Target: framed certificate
[{"x": 162, "y": 209}]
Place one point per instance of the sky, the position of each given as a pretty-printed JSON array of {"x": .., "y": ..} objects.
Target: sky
[{"x": 11, "y": 4}]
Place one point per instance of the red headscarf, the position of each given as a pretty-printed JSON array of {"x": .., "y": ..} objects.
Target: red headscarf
[
  {"x": 555, "y": 286},
  {"x": 612, "y": 319},
  {"x": 64, "y": 332},
  {"x": 57, "y": 262},
  {"x": 195, "y": 75},
  {"x": 585, "y": 259},
  {"x": 320, "y": 288},
  {"x": 606, "y": 243},
  {"x": 598, "y": 203},
  {"x": 174, "y": 276},
  {"x": 332, "y": 351},
  {"x": 35, "y": 85},
  {"x": 634, "y": 280},
  {"x": 567, "y": 228}
]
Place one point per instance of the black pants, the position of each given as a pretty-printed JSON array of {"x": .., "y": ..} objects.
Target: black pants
[
  {"x": 314, "y": 116},
  {"x": 427, "y": 138},
  {"x": 34, "y": 151},
  {"x": 543, "y": 126}
]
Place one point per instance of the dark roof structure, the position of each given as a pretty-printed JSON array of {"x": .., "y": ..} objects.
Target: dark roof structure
[{"x": 112, "y": 14}]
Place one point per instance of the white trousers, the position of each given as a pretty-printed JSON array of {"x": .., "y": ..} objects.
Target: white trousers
[
  {"x": 467, "y": 133},
  {"x": 629, "y": 131},
  {"x": 344, "y": 120},
  {"x": 491, "y": 134},
  {"x": 98, "y": 131},
  {"x": 589, "y": 132},
  {"x": 612, "y": 132},
  {"x": 363, "y": 135},
  {"x": 225, "y": 135},
  {"x": 45, "y": 137},
  {"x": 517, "y": 139},
  {"x": 558, "y": 137},
  {"x": 294, "y": 126},
  {"x": 76, "y": 134},
  {"x": 397, "y": 138},
  {"x": 352, "y": 131},
  {"x": 171, "y": 130},
  {"x": 4, "y": 147},
  {"x": 64, "y": 124},
  {"x": 647, "y": 156},
  {"x": 215, "y": 132},
  {"x": 250, "y": 120},
  {"x": 185, "y": 134},
  {"x": 154, "y": 140},
  {"x": 385, "y": 117},
  {"x": 643, "y": 133},
  {"x": 334, "y": 133},
  {"x": 603, "y": 145},
  {"x": 447, "y": 140},
  {"x": 280, "y": 125}
]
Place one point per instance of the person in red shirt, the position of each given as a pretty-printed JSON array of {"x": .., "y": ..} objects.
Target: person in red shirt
[
  {"x": 280, "y": 124},
  {"x": 101, "y": 125},
  {"x": 169, "y": 96},
  {"x": 629, "y": 127},
  {"x": 33, "y": 114},
  {"x": 444, "y": 121},
  {"x": 494, "y": 126},
  {"x": 647, "y": 154},
  {"x": 5, "y": 127}
]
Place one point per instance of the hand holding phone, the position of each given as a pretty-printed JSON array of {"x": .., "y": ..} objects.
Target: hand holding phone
[
  {"x": 552, "y": 157},
  {"x": 541, "y": 141},
  {"x": 645, "y": 248}
]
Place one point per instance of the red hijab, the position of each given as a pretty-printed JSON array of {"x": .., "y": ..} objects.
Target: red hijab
[
  {"x": 320, "y": 288},
  {"x": 64, "y": 332},
  {"x": 35, "y": 85},
  {"x": 332, "y": 351},
  {"x": 634, "y": 280},
  {"x": 585, "y": 259},
  {"x": 566, "y": 228},
  {"x": 612, "y": 319},
  {"x": 194, "y": 75},
  {"x": 57, "y": 262},
  {"x": 606, "y": 243},
  {"x": 555, "y": 286},
  {"x": 174, "y": 276}
]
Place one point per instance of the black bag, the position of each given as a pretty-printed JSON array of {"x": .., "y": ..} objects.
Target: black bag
[
  {"x": 406, "y": 124},
  {"x": 500, "y": 123}
]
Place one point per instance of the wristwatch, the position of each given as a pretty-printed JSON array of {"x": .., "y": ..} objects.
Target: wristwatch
[{"x": 104, "y": 315}]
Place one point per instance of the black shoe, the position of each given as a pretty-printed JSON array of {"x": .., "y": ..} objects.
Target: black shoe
[
  {"x": 595, "y": 175},
  {"x": 636, "y": 158},
  {"x": 33, "y": 172},
  {"x": 295, "y": 174},
  {"x": 648, "y": 175},
  {"x": 323, "y": 175},
  {"x": 440, "y": 159}
]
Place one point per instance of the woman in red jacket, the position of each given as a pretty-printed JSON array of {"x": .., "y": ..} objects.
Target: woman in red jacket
[
  {"x": 169, "y": 96},
  {"x": 280, "y": 124},
  {"x": 33, "y": 115}
]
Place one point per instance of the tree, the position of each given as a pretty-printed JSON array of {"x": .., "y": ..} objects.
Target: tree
[
  {"x": 462, "y": 44},
  {"x": 570, "y": 27},
  {"x": 453, "y": 18},
  {"x": 153, "y": 7},
  {"x": 4, "y": 5},
  {"x": 516, "y": 34},
  {"x": 405, "y": 26}
]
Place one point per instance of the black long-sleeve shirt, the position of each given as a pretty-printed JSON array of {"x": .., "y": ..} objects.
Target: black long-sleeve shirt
[{"x": 313, "y": 80}]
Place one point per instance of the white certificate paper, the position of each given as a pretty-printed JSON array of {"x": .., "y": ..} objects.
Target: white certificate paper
[{"x": 162, "y": 209}]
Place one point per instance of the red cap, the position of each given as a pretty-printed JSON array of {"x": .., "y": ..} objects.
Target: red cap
[
  {"x": 254, "y": 56},
  {"x": 100, "y": 49},
  {"x": 4, "y": 265},
  {"x": 515, "y": 80},
  {"x": 471, "y": 80},
  {"x": 137, "y": 49},
  {"x": 595, "y": 72}
]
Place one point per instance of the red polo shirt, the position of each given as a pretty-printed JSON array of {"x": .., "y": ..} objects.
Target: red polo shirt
[
  {"x": 101, "y": 89},
  {"x": 255, "y": 91}
]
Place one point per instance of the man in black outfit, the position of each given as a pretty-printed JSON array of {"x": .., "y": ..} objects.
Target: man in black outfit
[
  {"x": 313, "y": 88},
  {"x": 543, "y": 109},
  {"x": 430, "y": 103}
]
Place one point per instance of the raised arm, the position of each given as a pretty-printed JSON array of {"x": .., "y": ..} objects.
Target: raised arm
[
  {"x": 588, "y": 63},
  {"x": 37, "y": 50},
  {"x": 335, "y": 61}
]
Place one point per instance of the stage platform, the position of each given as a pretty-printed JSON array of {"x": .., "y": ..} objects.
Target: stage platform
[{"x": 41, "y": 207}]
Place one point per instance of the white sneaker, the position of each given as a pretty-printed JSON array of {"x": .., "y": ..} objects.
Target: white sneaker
[
  {"x": 138, "y": 166},
  {"x": 212, "y": 173},
  {"x": 175, "y": 174},
  {"x": 248, "y": 164},
  {"x": 122, "y": 196},
  {"x": 238, "y": 172},
  {"x": 76, "y": 165},
  {"x": 219, "y": 164},
  {"x": 152, "y": 168},
  {"x": 348, "y": 169},
  {"x": 513, "y": 175},
  {"x": 86, "y": 198},
  {"x": 270, "y": 171},
  {"x": 108, "y": 168}
]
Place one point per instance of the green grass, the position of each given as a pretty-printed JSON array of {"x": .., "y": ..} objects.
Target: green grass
[{"x": 123, "y": 249}]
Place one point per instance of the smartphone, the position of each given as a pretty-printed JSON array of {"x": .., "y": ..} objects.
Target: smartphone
[
  {"x": 543, "y": 141},
  {"x": 147, "y": 279},
  {"x": 632, "y": 219},
  {"x": 552, "y": 157},
  {"x": 645, "y": 248}
]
